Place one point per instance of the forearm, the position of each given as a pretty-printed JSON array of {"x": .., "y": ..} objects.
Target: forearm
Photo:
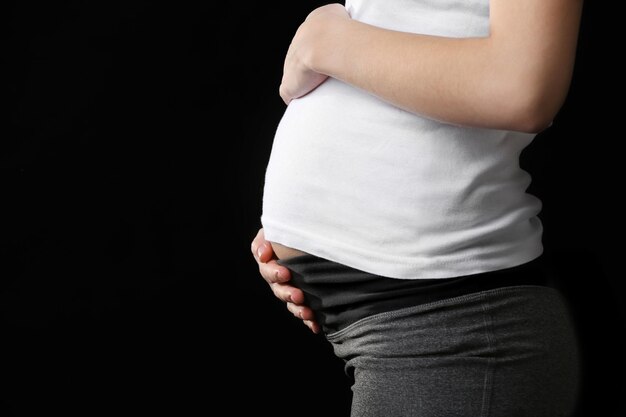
[
  {"x": 512, "y": 79},
  {"x": 443, "y": 78}
]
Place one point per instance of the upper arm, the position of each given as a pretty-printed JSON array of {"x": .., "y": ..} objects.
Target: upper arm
[{"x": 535, "y": 42}]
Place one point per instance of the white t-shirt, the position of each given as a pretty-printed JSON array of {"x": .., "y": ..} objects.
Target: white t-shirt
[{"x": 361, "y": 182}]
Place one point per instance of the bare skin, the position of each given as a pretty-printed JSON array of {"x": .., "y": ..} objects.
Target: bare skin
[
  {"x": 515, "y": 79},
  {"x": 278, "y": 277},
  {"x": 285, "y": 252}
]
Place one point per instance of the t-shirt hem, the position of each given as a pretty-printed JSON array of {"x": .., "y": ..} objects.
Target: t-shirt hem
[{"x": 386, "y": 265}]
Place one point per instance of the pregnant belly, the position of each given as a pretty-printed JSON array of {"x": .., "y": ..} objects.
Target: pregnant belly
[
  {"x": 299, "y": 142},
  {"x": 285, "y": 252}
]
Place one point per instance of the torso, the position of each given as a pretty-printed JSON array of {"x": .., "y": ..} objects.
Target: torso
[
  {"x": 285, "y": 252},
  {"x": 358, "y": 181}
]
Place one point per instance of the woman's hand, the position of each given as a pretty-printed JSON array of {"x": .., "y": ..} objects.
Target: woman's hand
[
  {"x": 516, "y": 78},
  {"x": 277, "y": 277},
  {"x": 299, "y": 77}
]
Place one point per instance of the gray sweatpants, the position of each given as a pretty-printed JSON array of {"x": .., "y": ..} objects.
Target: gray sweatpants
[{"x": 505, "y": 352}]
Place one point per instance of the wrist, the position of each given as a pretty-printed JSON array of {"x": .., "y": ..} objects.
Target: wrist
[{"x": 327, "y": 52}]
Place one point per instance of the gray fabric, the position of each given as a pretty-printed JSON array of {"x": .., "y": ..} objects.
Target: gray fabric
[{"x": 505, "y": 352}]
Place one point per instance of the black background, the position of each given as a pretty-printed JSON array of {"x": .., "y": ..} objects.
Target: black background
[{"x": 134, "y": 141}]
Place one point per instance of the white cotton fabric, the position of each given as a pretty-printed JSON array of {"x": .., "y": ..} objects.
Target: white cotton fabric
[{"x": 361, "y": 182}]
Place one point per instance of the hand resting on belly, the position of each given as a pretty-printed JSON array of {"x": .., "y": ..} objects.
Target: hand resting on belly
[{"x": 278, "y": 277}]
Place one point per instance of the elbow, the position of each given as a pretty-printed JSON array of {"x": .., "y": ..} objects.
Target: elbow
[
  {"x": 532, "y": 118},
  {"x": 529, "y": 104},
  {"x": 529, "y": 112},
  {"x": 535, "y": 112}
]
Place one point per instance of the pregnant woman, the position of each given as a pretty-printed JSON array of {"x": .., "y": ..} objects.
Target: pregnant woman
[{"x": 395, "y": 213}]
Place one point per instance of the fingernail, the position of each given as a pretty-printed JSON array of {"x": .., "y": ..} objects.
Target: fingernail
[
  {"x": 259, "y": 251},
  {"x": 289, "y": 299}
]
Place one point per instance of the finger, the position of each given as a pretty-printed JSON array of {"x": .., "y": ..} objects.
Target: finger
[
  {"x": 262, "y": 250},
  {"x": 266, "y": 252},
  {"x": 287, "y": 293},
  {"x": 301, "y": 312},
  {"x": 314, "y": 326},
  {"x": 274, "y": 273},
  {"x": 258, "y": 240}
]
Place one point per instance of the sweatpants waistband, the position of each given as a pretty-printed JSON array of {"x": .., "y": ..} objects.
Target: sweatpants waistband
[{"x": 340, "y": 295}]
